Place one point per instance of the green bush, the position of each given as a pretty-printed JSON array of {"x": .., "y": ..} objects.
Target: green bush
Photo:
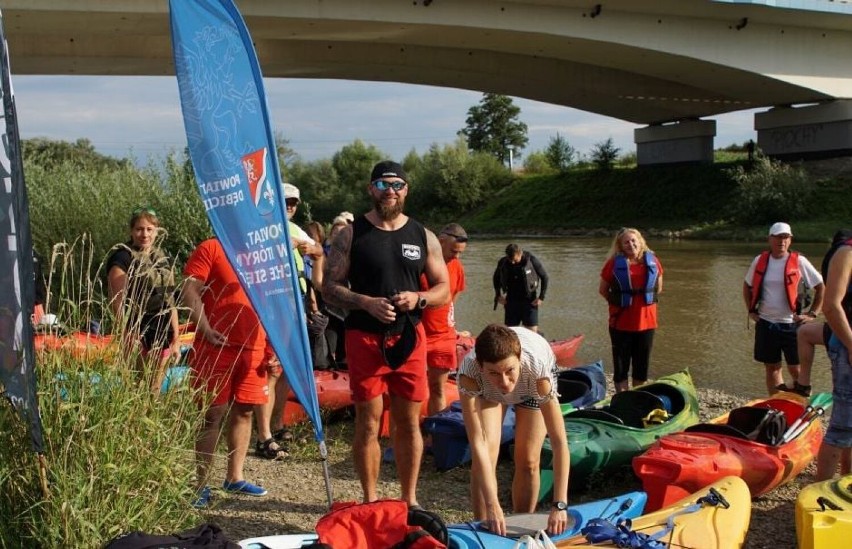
[
  {"x": 117, "y": 456},
  {"x": 769, "y": 190}
]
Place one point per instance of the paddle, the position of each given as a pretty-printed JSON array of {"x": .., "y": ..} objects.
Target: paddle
[{"x": 815, "y": 408}]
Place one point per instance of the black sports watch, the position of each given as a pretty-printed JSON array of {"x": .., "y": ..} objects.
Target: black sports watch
[
  {"x": 560, "y": 505},
  {"x": 421, "y": 302}
]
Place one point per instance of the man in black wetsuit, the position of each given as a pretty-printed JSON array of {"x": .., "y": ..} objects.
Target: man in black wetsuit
[
  {"x": 520, "y": 283},
  {"x": 373, "y": 270}
]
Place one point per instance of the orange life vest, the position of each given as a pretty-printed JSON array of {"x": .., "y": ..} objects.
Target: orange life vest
[
  {"x": 382, "y": 524},
  {"x": 792, "y": 275}
]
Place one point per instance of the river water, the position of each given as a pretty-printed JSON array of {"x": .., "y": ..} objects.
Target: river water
[{"x": 702, "y": 319}]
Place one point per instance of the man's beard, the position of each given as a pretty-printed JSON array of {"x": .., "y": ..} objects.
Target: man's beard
[{"x": 387, "y": 212}]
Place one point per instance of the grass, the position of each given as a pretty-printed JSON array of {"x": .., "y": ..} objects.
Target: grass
[{"x": 117, "y": 457}]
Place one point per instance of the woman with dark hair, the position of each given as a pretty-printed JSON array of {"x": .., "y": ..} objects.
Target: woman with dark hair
[
  {"x": 513, "y": 366},
  {"x": 141, "y": 286}
]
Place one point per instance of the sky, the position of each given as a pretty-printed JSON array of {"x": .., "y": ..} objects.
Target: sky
[{"x": 140, "y": 116}]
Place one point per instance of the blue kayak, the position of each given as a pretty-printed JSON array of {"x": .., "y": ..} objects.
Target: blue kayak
[
  {"x": 577, "y": 387},
  {"x": 473, "y": 536}
]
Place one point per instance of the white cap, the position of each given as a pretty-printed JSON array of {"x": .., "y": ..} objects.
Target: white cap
[
  {"x": 291, "y": 191},
  {"x": 780, "y": 228}
]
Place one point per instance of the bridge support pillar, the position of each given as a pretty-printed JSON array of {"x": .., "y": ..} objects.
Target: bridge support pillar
[
  {"x": 684, "y": 142},
  {"x": 806, "y": 133}
]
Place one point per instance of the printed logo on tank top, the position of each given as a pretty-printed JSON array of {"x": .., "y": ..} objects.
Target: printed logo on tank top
[{"x": 411, "y": 251}]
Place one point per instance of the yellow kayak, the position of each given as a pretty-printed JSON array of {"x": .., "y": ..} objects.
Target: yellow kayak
[
  {"x": 824, "y": 514},
  {"x": 701, "y": 520}
]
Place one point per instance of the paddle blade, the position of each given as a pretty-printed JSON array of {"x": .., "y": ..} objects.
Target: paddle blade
[{"x": 821, "y": 400}]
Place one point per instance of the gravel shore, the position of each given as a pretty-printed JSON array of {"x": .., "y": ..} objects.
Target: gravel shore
[{"x": 297, "y": 495}]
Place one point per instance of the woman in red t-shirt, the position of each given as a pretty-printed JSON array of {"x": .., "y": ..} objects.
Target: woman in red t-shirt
[{"x": 631, "y": 279}]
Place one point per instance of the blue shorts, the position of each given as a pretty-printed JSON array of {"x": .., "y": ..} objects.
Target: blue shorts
[
  {"x": 839, "y": 432},
  {"x": 771, "y": 339},
  {"x": 521, "y": 312}
]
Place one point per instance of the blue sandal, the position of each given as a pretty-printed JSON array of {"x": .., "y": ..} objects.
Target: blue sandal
[{"x": 244, "y": 487}]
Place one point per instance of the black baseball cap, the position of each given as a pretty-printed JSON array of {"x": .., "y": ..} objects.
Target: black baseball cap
[{"x": 388, "y": 168}]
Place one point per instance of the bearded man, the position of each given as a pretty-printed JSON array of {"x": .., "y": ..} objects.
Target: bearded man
[{"x": 373, "y": 271}]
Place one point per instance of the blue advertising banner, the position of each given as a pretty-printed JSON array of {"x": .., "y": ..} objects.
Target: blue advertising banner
[
  {"x": 17, "y": 358},
  {"x": 236, "y": 167}
]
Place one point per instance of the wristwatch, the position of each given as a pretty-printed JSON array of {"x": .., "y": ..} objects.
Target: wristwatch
[
  {"x": 560, "y": 505},
  {"x": 421, "y": 302}
]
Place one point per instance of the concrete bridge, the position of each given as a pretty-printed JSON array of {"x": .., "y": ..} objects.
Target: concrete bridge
[{"x": 666, "y": 64}]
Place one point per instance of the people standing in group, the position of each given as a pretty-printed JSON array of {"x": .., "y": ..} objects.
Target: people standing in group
[
  {"x": 837, "y": 443},
  {"x": 439, "y": 323},
  {"x": 229, "y": 359},
  {"x": 373, "y": 271},
  {"x": 141, "y": 284},
  {"x": 631, "y": 280},
  {"x": 513, "y": 366},
  {"x": 771, "y": 291},
  {"x": 520, "y": 284}
]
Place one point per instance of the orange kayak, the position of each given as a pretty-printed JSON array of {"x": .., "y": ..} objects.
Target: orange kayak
[
  {"x": 82, "y": 345},
  {"x": 682, "y": 463},
  {"x": 333, "y": 393}
]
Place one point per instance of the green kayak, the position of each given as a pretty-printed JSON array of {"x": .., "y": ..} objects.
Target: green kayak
[{"x": 609, "y": 435}]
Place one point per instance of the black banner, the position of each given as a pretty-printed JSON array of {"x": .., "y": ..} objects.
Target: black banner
[{"x": 17, "y": 281}]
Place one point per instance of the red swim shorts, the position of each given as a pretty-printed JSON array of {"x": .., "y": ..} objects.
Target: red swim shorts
[
  {"x": 230, "y": 373},
  {"x": 370, "y": 376},
  {"x": 441, "y": 352}
]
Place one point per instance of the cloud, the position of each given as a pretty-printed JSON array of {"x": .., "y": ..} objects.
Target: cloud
[{"x": 318, "y": 117}]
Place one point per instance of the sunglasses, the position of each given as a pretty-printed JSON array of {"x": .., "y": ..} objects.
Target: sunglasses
[
  {"x": 292, "y": 202},
  {"x": 144, "y": 210},
  {"x": 382, "y": 185},
  {"x": 457, "y": 237}
]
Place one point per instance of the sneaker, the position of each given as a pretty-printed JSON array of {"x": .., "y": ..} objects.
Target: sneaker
[
  {"x": 802, "y": 390},
  {"x": 782, "y": 387},
  {"x": 244, "y": 487},
  {"x": 203, "y": 499}
]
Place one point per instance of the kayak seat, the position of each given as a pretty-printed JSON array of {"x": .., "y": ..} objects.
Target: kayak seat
[
  {"x": 672, "y": 397},
  {"x": 764, "y": 425},
  {"x": 599, "y": 415},
  {"x": 570, "y": 390},
  {"x": 716, "y": 429},
  {"x": 632, "y": 406}
]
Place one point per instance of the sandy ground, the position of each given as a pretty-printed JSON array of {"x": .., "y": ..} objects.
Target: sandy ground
[{"x": 297, "y": 495}]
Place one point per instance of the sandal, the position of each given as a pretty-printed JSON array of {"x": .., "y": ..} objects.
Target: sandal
[
  {"x": 269, "y": 449},
  {"x": 283, "y": 435},
  {"x": 803, "y": 390}
]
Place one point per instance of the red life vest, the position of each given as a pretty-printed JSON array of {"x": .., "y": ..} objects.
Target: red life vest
[
  {"x": 379, "y": 524},
  {"x": 792, "y": 275}
]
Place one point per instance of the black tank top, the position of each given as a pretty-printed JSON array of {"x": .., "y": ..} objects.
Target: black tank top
[{"x": 382, "y": 263}]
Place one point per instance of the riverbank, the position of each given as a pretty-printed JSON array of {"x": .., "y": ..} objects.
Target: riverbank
[{"x": 297, "y": 496}]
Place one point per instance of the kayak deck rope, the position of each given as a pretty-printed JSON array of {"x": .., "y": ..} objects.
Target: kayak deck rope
[
  {"x": 621, "y": 534},
  {"x": 827, "y": 504}
]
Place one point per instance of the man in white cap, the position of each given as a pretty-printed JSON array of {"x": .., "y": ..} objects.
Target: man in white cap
[{"x": 773, "y": 295}]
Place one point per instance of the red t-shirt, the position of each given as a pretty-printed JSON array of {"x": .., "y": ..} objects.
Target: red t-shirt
[
  {"x": 226, "y": 305},
  {"x": 639, "y": 316},
  {"x": 440, "y": 321}
]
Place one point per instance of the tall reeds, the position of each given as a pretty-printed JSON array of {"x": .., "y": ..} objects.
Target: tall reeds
[{"x": 119, "y": 456}]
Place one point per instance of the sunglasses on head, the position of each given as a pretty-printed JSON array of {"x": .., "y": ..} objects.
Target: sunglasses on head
[
  {"x": 382, "y": 185},
  {"x": 145, "y": 210},
  {"x": 457, "y": 237}
]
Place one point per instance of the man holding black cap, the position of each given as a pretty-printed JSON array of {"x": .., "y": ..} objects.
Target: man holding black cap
[
  {"x": 520, "y": 283},
  {"x": 374, "y": 270},
  {"x": 771, "y": 294}
]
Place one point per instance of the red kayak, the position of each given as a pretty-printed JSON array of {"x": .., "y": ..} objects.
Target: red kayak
[
  {"x": 742, "y": 443},
  {"x": 79, "y": 344},
  {"x": 332, "y": 390},
  {"x": 451, "y": 394},
  {"x": 564, "y": 349}
]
